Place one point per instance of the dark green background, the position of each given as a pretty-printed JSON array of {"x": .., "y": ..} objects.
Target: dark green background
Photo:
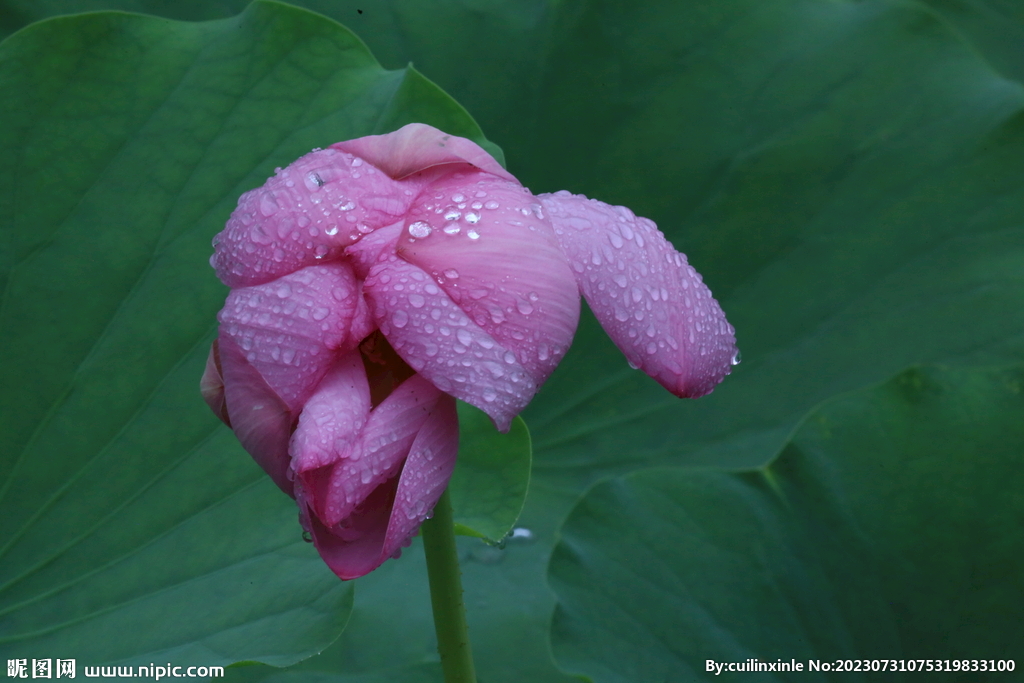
[{"x": 846, "y": 176}]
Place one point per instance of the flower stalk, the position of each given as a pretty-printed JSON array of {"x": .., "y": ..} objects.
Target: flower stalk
[{"x": 446, "y": 594}]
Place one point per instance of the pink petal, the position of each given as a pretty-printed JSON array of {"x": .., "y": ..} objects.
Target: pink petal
[
  {"x": 416, "y": 147},
  {"x": 375, "y": 247},
  {"x": 489, "y": 245},
  {"x": 304, "y": 215},
  {"x": 211, "y": 386},
  {"x": 425, "y": 475},
  {"x": 438, "y": 340},
  {"x": 381, "y": 449},
  {"x": 333, "y": 416},
  {"x": 355, "y": 549},
  {"x": 650, "y": 301},
  {"x": 291, "y": 328},
  {"x": 260, "y": 419},
  {"x": 392, "y": 510}
]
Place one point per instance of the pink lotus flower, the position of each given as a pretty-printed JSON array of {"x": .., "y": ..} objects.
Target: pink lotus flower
[{"x": 375, "y": 280}]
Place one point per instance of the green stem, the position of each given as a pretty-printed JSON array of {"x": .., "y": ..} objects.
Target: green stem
[{"x": 446, "y": 594}]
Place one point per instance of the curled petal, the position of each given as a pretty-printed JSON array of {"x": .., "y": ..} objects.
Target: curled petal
[
  {"x": 381, "y": 448},
  {"x": 425, "y": 475},
  {"x": 333, "y": 416},
  {"x": 417, "y": 147},
  {"x": 291, "y": 328},
  {"x": 438, "y": 340},
  {"x": 259, "y": 418},
  {"x": 650, "y": 301},
  {"x": 393, "y": 509},
  {"x": 488, "y": 244},
  {"x": 306, "y": 214},
  {"x": 357, "y": 548}
]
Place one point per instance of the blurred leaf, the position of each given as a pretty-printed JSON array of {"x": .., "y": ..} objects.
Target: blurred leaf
[
  {"x": 126, "y": 142},
  {"x": 888, "y": 528},
  {"x": 845, "y": 175},
  {"x": 491, "y": 476},
  {"x": 994, "y": 27}
]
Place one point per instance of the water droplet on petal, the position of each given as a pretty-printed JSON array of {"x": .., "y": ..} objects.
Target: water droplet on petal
[
  {"x": 491, "y": 205},
  {"x": 736, "y": 358},
  {"x": 332, "y": 230},
  {"x": 284, "y": 290},
  {"x": 399, "y": 318},
  {"x": 420, "y": 229},
  {"x": 268, "y": 206},
  {"x": 472, "y": 217},
  {"x": 416, "y": 301},
  {"x": 464, "y": 337},
  {"x": 473, "y": 235}
]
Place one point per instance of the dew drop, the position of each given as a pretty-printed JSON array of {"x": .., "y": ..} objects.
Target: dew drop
[
  {"x": 464, "y": 337},
  {"x": 320, "y": 251},
  {"x": 473, "y": 235},
  {"x": 320, "y": 313},
  {"x": 472, "y": 218},
  {"x": 284, "y": 290},
  {"x": 420, "y": 229},
  {"x": 332, "y": 230},
  {"x": 416, "y": 301},
  {"x": 492, "y": 205},
  {"x": 452, "y": 229},
  {"x": 268, "y": 206},
  {"x": 458, "y": 198},
  {"x": 452, "y": 215},
  {"x": 399, "y": 318}
]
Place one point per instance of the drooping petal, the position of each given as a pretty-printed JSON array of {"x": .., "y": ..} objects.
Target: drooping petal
[
  {"x": 259, "y": 418},
  {"x": 211, "y": 386},
  {"x": 425, "y": 475},
  {"x": 381, "y": 449},
  {"x": 487, "y": 243},
  {"x": 650, "y": 301},
  {"x": 417, "y": 147},
  {"x": 333, "y": 416},
  {"x": 438, "y": 340},
  {"x": 306, "y": 214},
  {"x": 291, "y": 328}
]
